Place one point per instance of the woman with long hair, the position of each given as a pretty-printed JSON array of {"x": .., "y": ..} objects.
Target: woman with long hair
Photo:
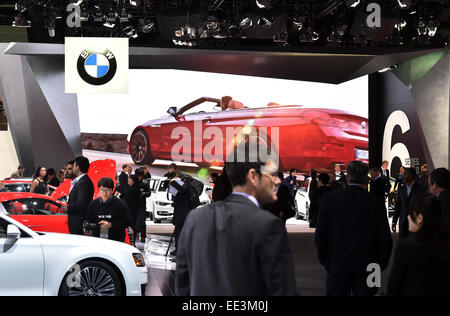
[
  {"x": 422, "y": 262},
  {"x": 131, "y": 195},
  {"x": 40, "y": 182}
]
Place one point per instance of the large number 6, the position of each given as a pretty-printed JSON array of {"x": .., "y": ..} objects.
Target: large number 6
[{"x": 397, "y": 118}]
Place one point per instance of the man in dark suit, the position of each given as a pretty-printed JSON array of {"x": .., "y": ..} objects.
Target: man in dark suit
[
  {"x": 384, "y": 169},
  {"x": 81, "y": 194},
  {"x": 284, "y": 207},
  {"x": 123, "y": 179},
  {"x": 378, "y": 183},
  {"x": 352, "y": 232},
  {"x": 233, "y": 247},
  {"x": 405, "y": 193},
  {"x": 339, "y": 175},
  {"x": 440, "y": 187}
]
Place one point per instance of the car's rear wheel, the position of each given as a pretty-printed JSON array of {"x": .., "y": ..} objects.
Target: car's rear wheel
[
  {"x": 91, "y": 278},
  {"x": 140, "y": 148}
]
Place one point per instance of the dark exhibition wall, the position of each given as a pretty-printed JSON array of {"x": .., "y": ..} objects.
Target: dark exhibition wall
[
  {"x": 409, "y": 113},
  {"x": 43, "y": 118}
]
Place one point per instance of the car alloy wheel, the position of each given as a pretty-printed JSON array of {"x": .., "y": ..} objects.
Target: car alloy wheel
[
  {"x": 93, "y": 281},
  {"x": 91, "y": 278},
  {"x": 139, "y": 147}
]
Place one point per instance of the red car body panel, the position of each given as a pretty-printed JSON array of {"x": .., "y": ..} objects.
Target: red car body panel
[
  {"x": 56, "y": 223},
  {"x": 308, "y": 138},
  {"x": 98, "y": 169}
]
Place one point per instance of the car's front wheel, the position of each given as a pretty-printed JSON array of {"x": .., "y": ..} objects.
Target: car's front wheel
[
  {"x": 140, "y": 148},
  {"x": 91, "y": 278}
]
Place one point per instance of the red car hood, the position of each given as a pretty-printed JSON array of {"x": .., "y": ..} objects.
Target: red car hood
[{"x": 99, "y": 169}]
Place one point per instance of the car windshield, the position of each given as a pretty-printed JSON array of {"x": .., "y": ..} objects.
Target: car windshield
[
  {"x": 206, "y": 107},
  {"x": 164, "y": 185},
  {"x": 202, "y": 105},
  {"x": 32, "y": 207},
  {"x": 15, "y": 187}
]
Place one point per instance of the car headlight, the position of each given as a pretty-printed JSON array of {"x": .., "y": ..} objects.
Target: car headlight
[{"x": 138, "y": 260}]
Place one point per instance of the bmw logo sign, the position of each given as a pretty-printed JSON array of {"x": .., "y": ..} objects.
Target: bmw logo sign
[{"x": 97, "y": 68}]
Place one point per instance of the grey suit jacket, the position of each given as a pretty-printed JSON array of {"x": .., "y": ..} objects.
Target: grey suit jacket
[{"x": 233, "y": 248}]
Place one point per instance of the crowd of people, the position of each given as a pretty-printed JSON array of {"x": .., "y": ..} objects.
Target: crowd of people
[
  {"x": 251, "y": 202},
  {"x": 238, "y": 244}
]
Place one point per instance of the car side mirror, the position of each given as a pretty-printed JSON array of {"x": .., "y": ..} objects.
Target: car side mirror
[
  {"x": 13, "y": 233},
  {"x": 172, "y": 111}
]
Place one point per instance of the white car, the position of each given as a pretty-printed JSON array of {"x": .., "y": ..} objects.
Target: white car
[
  {"x": 302, "y": 201},
  {"x": 159, "y": 205},
  {"x": 38, "y": 264}
]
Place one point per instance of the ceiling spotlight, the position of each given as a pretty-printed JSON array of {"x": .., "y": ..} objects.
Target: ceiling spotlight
[
  {"x": 246, "y": 22},
  {"x": 432, "y": 27},
  {"x": 109, "y": 25},
  {"x": 51, "y": 30},
  {"x": 353, "y": 3},
  {"x": 404, "y": 4},
  {"x": 422, "y": 28},
  {"x": 264, "y": 22},
  {"x": 148, "y": 27},
  {"x": 20, "y": 21},
  {"x": 400, "y": 25},
  {"x": 130, "y": 32},
  {"x": 264, "y": 4}
]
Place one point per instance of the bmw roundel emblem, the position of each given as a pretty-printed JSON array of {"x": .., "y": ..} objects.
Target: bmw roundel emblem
[{"x": 97, "y": 68}]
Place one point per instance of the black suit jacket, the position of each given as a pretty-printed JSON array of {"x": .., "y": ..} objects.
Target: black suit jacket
[
  {"x": 353, "y": 229},
  {"x": 402, "y": 206},
  {"x": 123, "y": 182},
  {"x": 79, "y": 199},
  {"x": 387, "y": 173},
  {"x": 378, "y": 187},
  {"x": 234, "y": 248},
  {"x": 444, "y": 197},
  {"x": 415, "y": 273},
  {"x": 285, "y": 203}
]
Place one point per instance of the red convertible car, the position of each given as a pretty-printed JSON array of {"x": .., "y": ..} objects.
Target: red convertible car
[
  {"x": 40, "y": 213},
  {"x": 307, "y": 137}
]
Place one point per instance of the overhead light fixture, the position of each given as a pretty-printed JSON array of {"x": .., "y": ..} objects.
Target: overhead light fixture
[
  {"x": 264, "y": 4},
  {"x": 353, "y": 3},
  {"x": 148, "y": 28},
  {"x": 432, "y": 27},
  {"x": 402, "y": 4},
  {"x": 422, "y": 28},
  {"x": 246, "y": 22},
  {"x": 400, "y": 25},
  {"x": 20, "y": 21},
  {"x": 109, "y": 25}
]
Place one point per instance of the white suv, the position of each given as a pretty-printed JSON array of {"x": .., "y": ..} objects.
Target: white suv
[
  {"x": 37, "y": 264},
  {"x": 159, "y": 205}
]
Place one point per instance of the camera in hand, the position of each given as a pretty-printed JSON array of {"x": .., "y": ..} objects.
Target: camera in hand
[{"x": 89, "y": 226}]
